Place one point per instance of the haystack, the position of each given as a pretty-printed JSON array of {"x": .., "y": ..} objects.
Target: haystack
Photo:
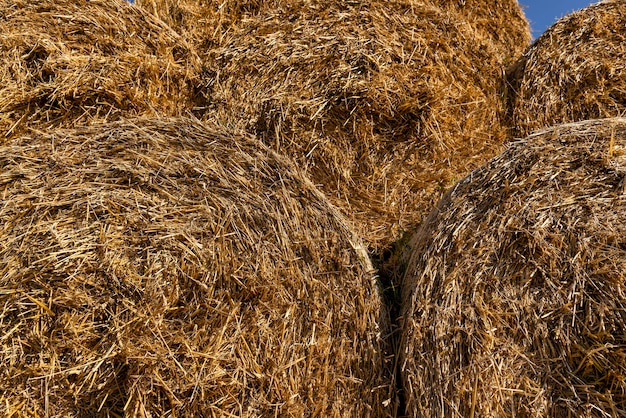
[
  {"x": 575, "y": 71},
  {"x": 202, "y": 22},
  {"x": 385, "y": 103},
  {"x": 161, "y": 268},
  {"x": 514, "y": 298},
  {"x": 69, "y": 61},
  {"x": 502, "y": 22}
]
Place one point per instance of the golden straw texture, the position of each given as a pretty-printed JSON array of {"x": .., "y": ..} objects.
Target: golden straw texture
[
  {"x": 575, "y": 71},
  {"x": 502, "y": 22},
  {"x": 64, "y": 62},
  {"x": 201, "y": 22},
  {"x": 164, "y": 268},
  {"x": 514, "y": 300},
  {"x": 384, "y": 103}
]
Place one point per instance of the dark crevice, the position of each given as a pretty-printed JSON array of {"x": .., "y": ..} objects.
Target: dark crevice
[{"x": 388, "y": 263}]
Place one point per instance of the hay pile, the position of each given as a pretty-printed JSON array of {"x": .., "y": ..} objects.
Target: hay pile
[
  {"x": 383, "y": 102},
  {"x": 203, "y": 22},
  {"x": 502, "y": 22},
  {"x": 575, "y": 71},
  {"x": 515, "y": 297},
  {"x": 190, "y": 18},
  {"x": 70, "y": 61},
  {"x": 161, "y": 268}
]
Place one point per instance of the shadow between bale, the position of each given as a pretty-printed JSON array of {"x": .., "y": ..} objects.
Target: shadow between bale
[{"x": 383, "y": 103}]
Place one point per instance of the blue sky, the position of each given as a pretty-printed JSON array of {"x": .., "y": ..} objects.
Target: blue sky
[{"x": 543, "y": 13}]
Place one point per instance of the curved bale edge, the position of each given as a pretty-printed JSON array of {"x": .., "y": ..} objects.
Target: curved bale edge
[
  {"x": 383, "y": 103},
  {"x": 514, "y": 295},
  {"x": 69, "y": 62},
  {"x": 575, "y": 71},
  {"x": 164, "y": 268}
]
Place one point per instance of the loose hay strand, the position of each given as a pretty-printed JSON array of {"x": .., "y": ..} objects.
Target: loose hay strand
[
  {"x": 575, "y": 71},
  {"x": 68, "y": 62},
  {"x": 516, "y": 283},
  {"x": 503, "y": 23},
  {"x": 167, "y": 268},
  {"x": 383, "y": 103}
]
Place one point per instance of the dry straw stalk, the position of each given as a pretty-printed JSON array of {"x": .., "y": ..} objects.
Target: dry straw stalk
[
  {"x": 162, "y": 268},
  {"x": 502, "y": 22},
  {"x": 204, "y": 21},
  {"x": 515, "y": 295},
  {"x": 383, "y": 102},
  {"x": 575, "y": 71},
  {"x": 70, "y": 61}
]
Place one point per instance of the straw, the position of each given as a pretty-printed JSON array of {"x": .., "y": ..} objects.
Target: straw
[
  {"x": 575, "y": 71},
  {"x": 166, "y": 268},
  {"x": 384, "y": 103},
  {"x": 514, "y": 301},
  {"x": 71, "y": 62}
]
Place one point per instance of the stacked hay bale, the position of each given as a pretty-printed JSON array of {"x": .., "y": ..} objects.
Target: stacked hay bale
[
  {"x": 514, "y": 298},
  {"x": 66, "y": 62},
  {"x": 203, "y": 21},
  {"x": 575, "y": 71},
  {"x": 162, "y": 268},
  {"x": 384, "y": 103},
  {"x": 502, "y": 22}
]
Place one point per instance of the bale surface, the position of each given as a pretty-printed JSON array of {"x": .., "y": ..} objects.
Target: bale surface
[
  {"x": 161, "y": 268},
  {"x": 514, "y": 298},
  {"x": 201, "y": 22},
  {"x": 68, "y": 61},
  {"x": 383, "y": 102},
  {"x": 503, "y": 23},
  {"x": 575, "y": 71}
]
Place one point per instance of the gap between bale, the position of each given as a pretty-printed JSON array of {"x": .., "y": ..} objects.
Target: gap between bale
[
  {"x": 514, "y": 300},
  {"x": 384, "y": 103},
  {"x": 165, "y": 268}
]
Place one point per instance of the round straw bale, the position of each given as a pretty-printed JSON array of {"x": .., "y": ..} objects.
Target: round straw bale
[
  {"x": 200, "y": 20},
  {"x": 69, "y": 61},
  {"x": 502, "y": 22},
  {"x": 163, "y": 268},
  {"x": 515, "y": 295},
  {"x": 575, "y": 71},
  {"x": 383, "y": 102}
]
